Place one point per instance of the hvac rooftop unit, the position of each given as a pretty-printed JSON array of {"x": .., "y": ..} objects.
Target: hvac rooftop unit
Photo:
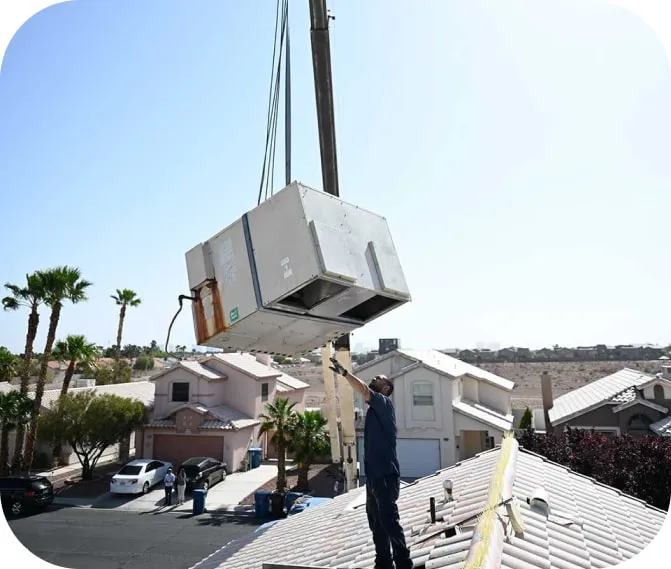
[{"x": 296, "y": 272}]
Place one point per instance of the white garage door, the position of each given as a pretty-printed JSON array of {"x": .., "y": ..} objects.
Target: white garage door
[{"x": 416, "y": 457}]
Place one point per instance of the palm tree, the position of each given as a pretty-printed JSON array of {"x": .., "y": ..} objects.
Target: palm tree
[
  {"x": 309, "y": 440},
  {"x": 7, "y": 364},
  {"x": 30, "y": 296},
  {"x": 76, "y": 351},
  {"x": 15, "y": 409},
  {"x": 60, "y": 284},
  {"x": 279, "y": 420},
  {"x": 123, "y": 298}
]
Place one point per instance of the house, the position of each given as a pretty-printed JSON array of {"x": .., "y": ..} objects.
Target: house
[
  {"x": 446, "y": 409},
  {"x": 570, "y": 522},
  {"x": 211, "y": 407},
  {"x": 625, "y": 402}
]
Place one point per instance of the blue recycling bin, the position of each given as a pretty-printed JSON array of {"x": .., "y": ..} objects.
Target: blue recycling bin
[
  {"x": 290, "y": 498},
  {"x": 198, "y": 501},
  {"x": 255, "y": 454},
  {"x": 262, "y": 503}
]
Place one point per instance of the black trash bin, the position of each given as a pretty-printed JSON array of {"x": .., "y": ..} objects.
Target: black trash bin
[{"x": 277, "y": 505}]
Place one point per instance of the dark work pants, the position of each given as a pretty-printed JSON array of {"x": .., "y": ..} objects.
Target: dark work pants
[
  {"x": 383, "y": 520},
  {"x": 168, "y": 496}
]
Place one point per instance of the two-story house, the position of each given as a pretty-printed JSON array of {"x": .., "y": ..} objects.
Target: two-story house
[
  {"x": 446, "y": 410},
  {"x": 211, "y": 407}
]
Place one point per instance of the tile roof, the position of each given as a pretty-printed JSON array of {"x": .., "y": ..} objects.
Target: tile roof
[
  {"x": 454, "y": 367},
  {"x": 291, "y": 381},
  {"x": 589, "y": 524},
  {"x": 484, "y": 414},
  {"x": 662, "y": 427},
  {"x": 248, "y": 364},
  {"x": 139, "y": 390},
  {"x": 595, "y": 394},
  {"x": 223, "y": 417},
  {"x": 198, "y": 368}
]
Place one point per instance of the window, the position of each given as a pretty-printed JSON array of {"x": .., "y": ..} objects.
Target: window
[
  {"x": 659, "y": 393},
  {"x": 180, "y": 392},
  {"x": 640, "y": 425},
  {"x": 264, "y": 392},
  {"x": 422, "y": 394}
]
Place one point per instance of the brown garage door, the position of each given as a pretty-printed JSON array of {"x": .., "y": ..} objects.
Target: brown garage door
[{"x": 177, "y": 448}]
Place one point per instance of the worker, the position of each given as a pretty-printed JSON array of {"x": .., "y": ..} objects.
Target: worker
[{"x": 383, "y": 478}]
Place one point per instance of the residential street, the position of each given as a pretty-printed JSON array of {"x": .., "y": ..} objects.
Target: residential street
[{"x": 81, "y": 538}]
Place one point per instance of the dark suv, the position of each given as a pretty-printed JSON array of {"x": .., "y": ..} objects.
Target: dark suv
[
  {"x": 203, "y": 472},
  {"x": 19, "y": 493}
]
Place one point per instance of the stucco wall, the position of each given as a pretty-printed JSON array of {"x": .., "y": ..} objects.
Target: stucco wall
[{"x": 604, "y": 417}]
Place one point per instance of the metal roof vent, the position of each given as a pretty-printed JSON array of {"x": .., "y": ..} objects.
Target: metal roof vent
[
  {"x": 540, "y": 499},
  {"x": 447, "y": 489}
]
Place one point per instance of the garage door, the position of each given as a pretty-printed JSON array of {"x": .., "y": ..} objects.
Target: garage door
[
  {"x": 176, "y": 448},
  {"x": 416, "y": 457}
]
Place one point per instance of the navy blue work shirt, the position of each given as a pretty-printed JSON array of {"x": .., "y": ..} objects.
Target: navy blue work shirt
[{"x": 379, "y": 437}]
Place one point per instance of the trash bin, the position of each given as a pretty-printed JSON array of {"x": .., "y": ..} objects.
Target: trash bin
[
  {"x": 198, "y": 501},
  {"x": 255, "y": 455},
  {"x": 290, "y": 498},
  {"x": 262, "y": 503},
  {"x": 276, "y": 505}
]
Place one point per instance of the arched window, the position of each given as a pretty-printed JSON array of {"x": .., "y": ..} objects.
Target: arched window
[
  {"x": 659, "y": 393},
  {"x": 639, "y": 424}
]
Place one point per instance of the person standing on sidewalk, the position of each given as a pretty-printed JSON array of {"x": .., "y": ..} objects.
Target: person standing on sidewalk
[
  {"x": 383, "y": 477},
  {"x": 168, "y": 483},
  {"x": 181, "y": 486}
]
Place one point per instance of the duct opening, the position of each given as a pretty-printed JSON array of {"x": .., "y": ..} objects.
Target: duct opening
[
  {"x": 312, "y": 294},
  {"x": 370, "y": 308}
]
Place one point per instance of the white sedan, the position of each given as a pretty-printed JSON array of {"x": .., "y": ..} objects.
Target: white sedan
[{"x": 138, "y": 476}]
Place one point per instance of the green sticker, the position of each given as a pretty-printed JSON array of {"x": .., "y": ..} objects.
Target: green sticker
[{"x": 233, "y": 315}]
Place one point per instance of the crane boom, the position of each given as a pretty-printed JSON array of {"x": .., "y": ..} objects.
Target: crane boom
[{"x": 321, "y": 67}]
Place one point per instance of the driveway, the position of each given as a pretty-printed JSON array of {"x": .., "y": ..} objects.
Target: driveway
[
  {"x": 223, "y": 496},
  {"x": 84, "y": 538}
]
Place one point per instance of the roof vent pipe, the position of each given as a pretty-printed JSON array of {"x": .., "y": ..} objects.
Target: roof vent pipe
[
  {"x": 540, "y": 499},
  {"x": 447, "y": 490}
]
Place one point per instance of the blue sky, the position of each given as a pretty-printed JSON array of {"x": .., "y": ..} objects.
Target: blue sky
[{"x": 518, "y": 149}]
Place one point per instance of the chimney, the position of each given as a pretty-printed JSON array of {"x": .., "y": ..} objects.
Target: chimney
[
  {"x": 548, "y": 402},
  {"x": 264, "y": 359}
]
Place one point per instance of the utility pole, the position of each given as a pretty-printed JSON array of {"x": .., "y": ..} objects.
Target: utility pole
[{"x": 321, "y": 67}]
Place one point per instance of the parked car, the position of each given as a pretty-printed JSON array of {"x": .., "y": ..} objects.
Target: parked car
[
  {"x": 203, "y": 472},
  {"x": 19, "y": 493},
  {"x": 139, "y": 476},
  {"x": 299, "y": 505}
]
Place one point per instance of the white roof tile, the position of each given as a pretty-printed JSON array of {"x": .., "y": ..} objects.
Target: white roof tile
[
  {"x": 454, "y": 367},
  {"x": 249, "y": 364},
  {"x": 292, "y": 382},
  {"x": 662, "y": 427},
  {"x": 610, "y": 528},
  {"x": 139, "y": 390},
  {"x": 595, "y": 394},
  {"x": 200, "y": 369},
  {"x": 223, "y": 417}
]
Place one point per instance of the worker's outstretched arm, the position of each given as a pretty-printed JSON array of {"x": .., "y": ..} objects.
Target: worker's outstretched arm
[{"x": 357, "y": 384}]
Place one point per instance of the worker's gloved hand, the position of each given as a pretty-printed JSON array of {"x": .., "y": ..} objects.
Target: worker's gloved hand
[{"x": 336, "y": 367}]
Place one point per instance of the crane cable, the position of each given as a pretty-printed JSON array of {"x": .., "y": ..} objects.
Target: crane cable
[{"x": 281, "y": 35}]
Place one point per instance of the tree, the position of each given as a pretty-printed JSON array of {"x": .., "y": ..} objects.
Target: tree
[
  {"x": 60, "y": 284},
  {"x": 75, "y": 351},
  {"x": 15, "y": 409},
  {"x": 308, "y": 440},
  {"x": 30, "y": 296},
  {"x": 123, "y": 298},
  {"x": 91, "y": 423},
  {"x": 526, "y": 421},
  {"x": 278, "y": 420},
  {"x": 639, "y": 466},
  {"x": 117, "y": 372},
  {"x": 8, "y": 364},
  {"x": 144, "y": 363}
]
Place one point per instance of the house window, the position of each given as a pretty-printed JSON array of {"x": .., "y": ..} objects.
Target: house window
[
  {"x": 658, "y": 393},
  {"x": 264, "y": 392},
  {"x": 180, "y": 392},
  {"x": 422, "y": 394},
  {"x": 639, "y": 424}
]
